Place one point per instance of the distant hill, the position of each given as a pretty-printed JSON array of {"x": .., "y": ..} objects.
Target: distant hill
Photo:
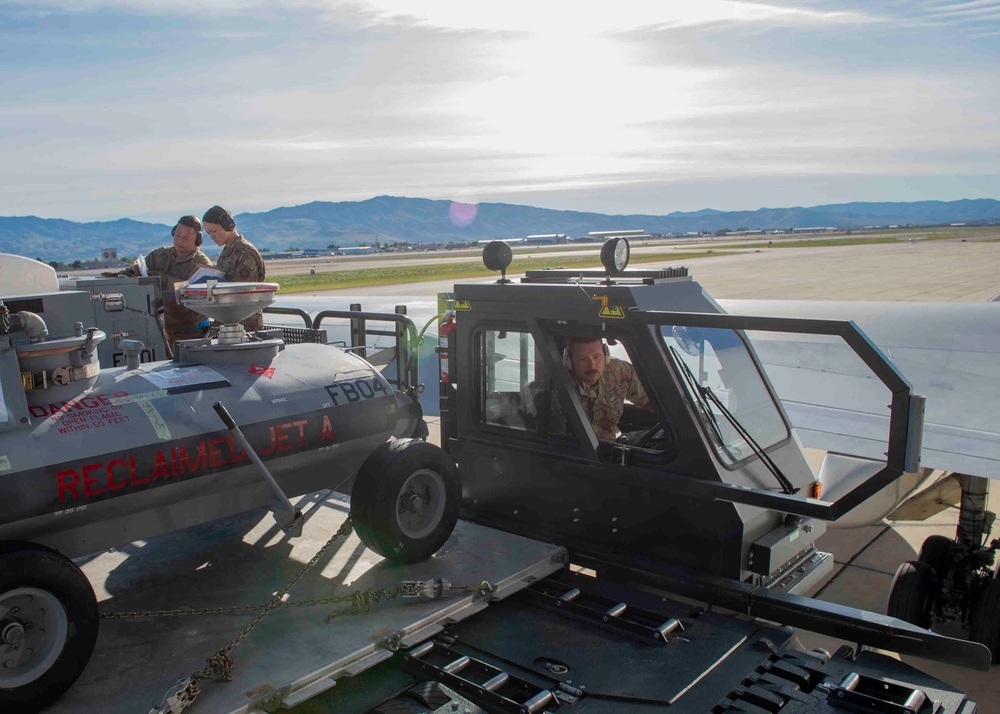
[{"x": 419, "y": 220}]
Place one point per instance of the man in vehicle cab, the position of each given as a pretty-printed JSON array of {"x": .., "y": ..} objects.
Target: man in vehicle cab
[{"x": 603, "y": 383}]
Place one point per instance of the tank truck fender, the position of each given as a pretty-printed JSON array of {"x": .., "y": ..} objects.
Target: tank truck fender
[
  {"x": 406, "y": 499},
  {"x": 409, "y": 416},
  {"x": 49, "y": 611}
]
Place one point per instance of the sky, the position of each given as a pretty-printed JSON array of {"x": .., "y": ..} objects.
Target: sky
[{"x": 155, "y": 108}]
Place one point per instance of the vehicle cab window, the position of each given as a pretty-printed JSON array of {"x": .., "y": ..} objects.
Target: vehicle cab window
[
  {"x": 727, "y": 390},
  {"x": 508, "y": 363},
  {"x": 519, "y": 393}
]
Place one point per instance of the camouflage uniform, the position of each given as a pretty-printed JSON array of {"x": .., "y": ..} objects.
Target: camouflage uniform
[
  {"x": 178, "y": 322},
  {"x": 604, "y": 402},
  {"x": 241, "y": 263}
]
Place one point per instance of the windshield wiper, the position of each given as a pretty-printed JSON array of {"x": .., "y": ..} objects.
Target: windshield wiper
[
  {"x": 705, "y": 395},
  {"x": 695, "y": 390}
]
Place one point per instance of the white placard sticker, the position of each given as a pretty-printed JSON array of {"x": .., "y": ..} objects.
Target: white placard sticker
[
  {"x": 144, "y": 397},
  {"x": 175, "y": 377},
  {"x": 159, "y": 425}
]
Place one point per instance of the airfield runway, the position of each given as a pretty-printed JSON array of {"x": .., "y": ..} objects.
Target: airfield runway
[
  {"x": 923, "y": 270},
  {"x": 940, "y": 270}
]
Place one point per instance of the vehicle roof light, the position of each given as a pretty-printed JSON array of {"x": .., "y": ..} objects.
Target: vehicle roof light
[{"x": 615, "y": 254}]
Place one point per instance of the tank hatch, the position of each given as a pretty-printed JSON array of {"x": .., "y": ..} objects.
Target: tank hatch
[{"x": 229, "y": 304}]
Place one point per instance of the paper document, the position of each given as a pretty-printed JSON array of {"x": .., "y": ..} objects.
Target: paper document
[{"x": 204, "y": 273}]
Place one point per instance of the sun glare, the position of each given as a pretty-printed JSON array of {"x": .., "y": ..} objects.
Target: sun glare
[{"x": 563, "y": 106}]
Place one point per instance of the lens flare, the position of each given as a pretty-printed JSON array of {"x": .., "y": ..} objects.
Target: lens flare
[{"x": 462, "y": 214}]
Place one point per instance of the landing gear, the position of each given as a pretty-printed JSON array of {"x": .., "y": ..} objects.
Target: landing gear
[
  {"x": 953, "y": 580},
  {"x": 911, "y": 593},
  {"x": 48, "y": 626},
  {"x": 405, "y": 500},
  {"x": 937, "y": 553},
  {"x": 984, "y": 625}
]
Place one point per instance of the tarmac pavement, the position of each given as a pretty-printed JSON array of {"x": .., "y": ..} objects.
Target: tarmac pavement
[{"x": 949, "y": 270}]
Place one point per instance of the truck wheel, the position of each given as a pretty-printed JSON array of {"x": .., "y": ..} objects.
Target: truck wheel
[
  {"x": 48, "y": 625},
  {"x": 936, "y": 552},
  {"x": 405, "y": 500},
  {"x": 909, "y": 596},
  {"x": 984, "y": 623}
]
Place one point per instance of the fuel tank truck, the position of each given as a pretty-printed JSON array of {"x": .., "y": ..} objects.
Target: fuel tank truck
[{"x": 93, "y": 458}]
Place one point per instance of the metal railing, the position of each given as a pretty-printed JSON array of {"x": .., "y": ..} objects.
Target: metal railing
[{"x": 404, "y": 333}]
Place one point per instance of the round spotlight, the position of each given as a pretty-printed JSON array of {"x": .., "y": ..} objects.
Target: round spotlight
[
  {"x": 497, "y": 255},
  {"x": 614, "y": 255}
]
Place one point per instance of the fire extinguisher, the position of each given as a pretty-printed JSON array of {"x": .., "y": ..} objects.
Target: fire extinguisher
[{"x": 444, "y": 345}]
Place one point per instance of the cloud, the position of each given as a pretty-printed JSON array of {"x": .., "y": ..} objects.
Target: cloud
[
  {"x": 571, "y": 16},
  {"x": 593, "y": 19},
  {"x": 116, "y": 106}
]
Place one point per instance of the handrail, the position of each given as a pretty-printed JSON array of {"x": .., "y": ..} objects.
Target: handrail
[
  {"x": 291, "y": 311},
  {"x": 405, "y": 332}
]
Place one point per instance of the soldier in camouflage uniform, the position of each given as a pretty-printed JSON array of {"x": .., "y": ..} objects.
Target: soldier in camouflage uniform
[
  {"x": 175, "y": 264},
  {"x": 239, "y": 260},
  {"x": 603, "y": 383}
]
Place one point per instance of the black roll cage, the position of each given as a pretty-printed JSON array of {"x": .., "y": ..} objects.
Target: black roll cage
[{"x": 905, "y": 409}]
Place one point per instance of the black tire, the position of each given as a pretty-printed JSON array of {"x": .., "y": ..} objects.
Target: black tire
[
  {"x": 52, "y": 594},
  {"x": 910, "y": 594},
  {"x": 405, "y": 500},
  {"x": 984, "y": 623},
  {"x": 936, "y": 552}
]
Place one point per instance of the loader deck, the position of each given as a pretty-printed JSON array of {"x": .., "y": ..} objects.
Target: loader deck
[{"x": 293, "y": 653}]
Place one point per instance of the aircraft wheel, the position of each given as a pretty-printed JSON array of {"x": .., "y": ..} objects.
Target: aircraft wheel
[
  {"x": 48, "y": 625},
  {"x": 936, "y": 552},
  {"x": 405, "y": 500},
  {"x": 984, "y": 623},
  {"x": 909, "y": 596}
]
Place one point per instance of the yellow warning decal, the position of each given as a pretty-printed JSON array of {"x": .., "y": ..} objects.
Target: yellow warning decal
[
  {"x": 462, "y": 305},
  {"x": 34, "y": 380},
  {"x": 612, "y": 312}
]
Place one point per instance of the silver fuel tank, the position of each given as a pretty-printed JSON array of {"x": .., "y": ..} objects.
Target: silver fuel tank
[{"x": 130, "y": 452}]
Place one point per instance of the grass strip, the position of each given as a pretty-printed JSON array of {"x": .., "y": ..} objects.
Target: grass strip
[{"x": 341, "y": 279}]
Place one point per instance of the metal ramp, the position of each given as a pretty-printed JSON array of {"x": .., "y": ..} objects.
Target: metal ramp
[{"x": 294, "y": 653}]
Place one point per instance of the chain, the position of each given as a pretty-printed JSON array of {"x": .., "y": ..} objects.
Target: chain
[
  {"x": 184, "y": 692},
  {"x": 361, "y": 602},
  {"x": 221, "y": 663},
  {"x": 229, "y": 610}
]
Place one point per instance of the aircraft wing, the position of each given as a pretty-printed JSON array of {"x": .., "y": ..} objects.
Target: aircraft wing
[{"x": 950, "y": 352}]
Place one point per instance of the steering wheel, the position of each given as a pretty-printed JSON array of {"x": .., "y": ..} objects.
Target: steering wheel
[{"x": 657, "y": 438}]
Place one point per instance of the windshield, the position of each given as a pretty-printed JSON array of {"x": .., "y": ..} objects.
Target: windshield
[{"x": 717, "y": 360}]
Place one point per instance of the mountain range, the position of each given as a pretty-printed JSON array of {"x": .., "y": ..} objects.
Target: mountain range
[{"x": 389, "y": 219}]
